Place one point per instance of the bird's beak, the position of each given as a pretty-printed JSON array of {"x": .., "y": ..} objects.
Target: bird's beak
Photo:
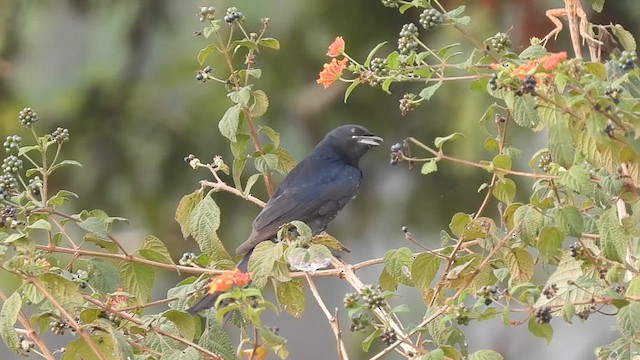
[{"x": 370, "y": 140}]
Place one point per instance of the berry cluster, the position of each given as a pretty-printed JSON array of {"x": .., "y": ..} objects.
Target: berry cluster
[
  {"x": 11, "y": 165},
  {"x": 378, "y": 68},
  {"x": 372, "y": 297},
  {"x": 232, "y": 15},
  {"x": 360, "y": 322},
  {"x": 396, "y": 154},
  {"x": 111, "y": 317},
  {"x": 408, "y": 103},
  {"x": 627, "y": 60},
  {"x": 27, "y": 117},
  {"x": 461, "y": 313},
  {"x": 81, "y": 277},
  {"x": 12, "y": 142},
  {"x": 206, "y": 13},
  {"x": 544, "y": 162},
  {"x": 389, "y": 336},
  {"x": 493, "y": 81},
  {"x": 528, "y": 85},
  {"x": 490, "y": 294},
  {"x": 390, "y": 3},
  {"x": 203, "y": 75},
  {"x": 550, "y": 291},
  {"x": 500, "y": 42},
  {"x": 187, "y": 259},
  {"x": 35, "y": 185},
  {"x": 576, "y": 251},
  {"x": 8, "y": 184},
  {"x": 543, "y": 315},
  {"x": 60, "y": 135},
  {"x": 350, "y": 301},
  {"x": 430, "y": 19},
  {"x": 58, "y": 327},
  {"x": 407, "y": 42},
  {"x": 8, "y": 216},
  {"x": 614, "y": 93}
]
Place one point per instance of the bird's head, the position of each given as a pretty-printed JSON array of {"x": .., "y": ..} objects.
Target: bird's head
[{"x": 351, "y": 142}]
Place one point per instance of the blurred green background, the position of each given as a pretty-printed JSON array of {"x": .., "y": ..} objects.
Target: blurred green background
[{"x": 120, "y": 75}]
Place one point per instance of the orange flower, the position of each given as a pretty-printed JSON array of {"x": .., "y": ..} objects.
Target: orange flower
[
  {"x": 228, "y": 279},
  {"x": 551, "y": 61},
  {"x": 119, "y": 299},
  {"x": 331, "y": 72},
  {"x": 336, "y": 48}
]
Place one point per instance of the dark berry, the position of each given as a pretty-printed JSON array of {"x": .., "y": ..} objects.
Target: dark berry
[
  {"x": 389, "y": 337},
  {"x": 493, "y": 81},
  {"x": 529, "y": 85},
  {"x": 550, "y": 291},
  {"x": 396, "y": 147},
  {"x": 543, "y": 315},
  {"x": 27, "y": 117},
  {"x": 430, "y": 19},
  {"x": 200, "y": 77},
  {"x": 207, "y": 69},
  {"x": 187, "y": 259},
  {"x": 628, "y": 60}
]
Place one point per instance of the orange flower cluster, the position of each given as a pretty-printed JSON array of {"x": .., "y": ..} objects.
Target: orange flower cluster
[
  {"x": 331, "y": 72},
  {"x": 228, "y": 279},
  {"x": 120, "y": 299},
  {"x": 336, "y": 48},
  {"x": 548, "y": 63}
]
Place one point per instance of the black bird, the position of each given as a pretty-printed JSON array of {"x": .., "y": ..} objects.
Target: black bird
[{"x": 313, "y": 192}]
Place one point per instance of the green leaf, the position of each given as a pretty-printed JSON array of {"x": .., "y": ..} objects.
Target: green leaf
[
  {"x": 27, "y": 149},
  {"x": 238, "y": 167},
  {"x": 613, "y": 239},
  {"x": 96, "y": 226},
  {"x": 550, "y": 242},
  {"x": 429, "y": 167},
  {"x": 65, "y": 163},
  {"x": 560, "y": 144},
  {"x": 570, "y": 220},
  {"x": 530, "y": 221},
  {"x": 524, "y": 112},
  {"x": 352, "y": 87},
  {"x": 544, "y": 331},
  {"x": 40, "y": 224},
  {"x": 459, "y": 222},
  {"x": 103, "y": 275},
  {"x": 625, "y": 37},
  {"x": 80, "y": 349},
  {"x": 596, "y": 69},
  {"x": 439, "y": 141},
  {"x": 366, "y": 343},
  {"x": 577, "y": 179},
  {"x": 266, "y": 163},
  {"x": 62, "y": 289},
  {"x": 8, "y": 319},
  {"x": 290, "y": 296},
  {"x": 398, "y": 263},
  {"x": 424, "y": 269},
  {"x": 502, "y": 161},
  {"x": 216, "y": 339},
  {"x": 250, "y": 182},
  {"x": 372, "y": 53},
  {"x": 185, "y": 207},
  {"x": 427, "y": 92},
  {"x": 597, "y": 5},
  {"x": 286, "y": 162},
  {"x": 273, "y": 135},
  {"x": 185, "y": 323},
  {"x": 137, "y": 279},
  {"x": 263, "y": 260},
  {"x": 270, "y": 43},
  {"x": 59, "y": 198},
  {"x": 629, "y": 319},
  {"x": 505, "y": 190},
  {"x": 204, "y": 53},
  {"x": 241, "y": 96},
  {"x": 485, "y": 355},
  {"x": 435, "y": 354},
  {"x": 533, "y": 52},
  {"x": 229, "y": 123},
  {"x": 155, "y": 250},
  {"x": 520, "y": 264},
  {"x": 203, "y": 225},
  {"x": 260, "y": 103}
]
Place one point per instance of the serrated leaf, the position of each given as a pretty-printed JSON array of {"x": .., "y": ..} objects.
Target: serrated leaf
[
  {"x": 137, "y": 279},
  {"x": 203, "y": 225},
  {"x": 204, "y": 53},
  {"x": 577, "y": 179},
  {"x": 550, "y": 242},
  {"x": 103, "y": 276},
  {"x": 308, "y": 259},
  {"x": 184, "y": 322},
  {"x": 435, "y": 354},
  {"x": 459, "y": 222},
  {"x": 273, "y": 135},
  {"x": 570, "y": 220},
  {"x": 286, "y": 162},
  {"x": 96, "y": 226},
  {"x": 424, "y": 269},
  {"x": 230, "y": 122},
  {"x": 62, "y": 289},
  {"x": 427, "y": 92},
  {"x": 524, "y": 112},
  {"x": 8, "y": 317},
  {"x": 291, "y": 298},
  {"x": 533, "y": 52},
  {"x": 241, "y": 96},
  {"x": 560, "y": 144},
  {"x": 613, "y": 239},
  {"x": 440, "y": 141},
  {"x": 520, "y": 265},
  {"x": 485, "y": 355},
  {"x": 544, "y": 331},
  {"x": 530, "y": 221},
  {"x": 216, "y": 339},
  {"x": 596, "y": 69},
  {"x": 155, "y": 250},
  {"x": 59, "y": 198},
  {"x": 625, "y": 37},
  {"x": 629, "y": 320},
  {"x": 329, "y": 241},
  {"x": 262, "y": 261},
  {"x": 260, "y": 103},
  {"x": 429, "y": 167},
  {"x": 40, "y": 224},
  {"x": 505, "y": 190},
  {"x": 398, "y": 263},
  {"x": 80, "y": 349},
  {"x": 184, "y": 209},
  {"x": 266, "y": 163}
]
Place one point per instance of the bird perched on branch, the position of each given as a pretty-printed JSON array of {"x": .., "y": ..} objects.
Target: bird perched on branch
[{"x": 313, "y": 192}]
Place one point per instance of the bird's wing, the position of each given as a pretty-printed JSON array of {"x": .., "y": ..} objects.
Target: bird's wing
[{"x": 313, "y": 197}]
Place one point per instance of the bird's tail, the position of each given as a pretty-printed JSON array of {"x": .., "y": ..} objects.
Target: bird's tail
[{"x": 210, "y": 299}]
